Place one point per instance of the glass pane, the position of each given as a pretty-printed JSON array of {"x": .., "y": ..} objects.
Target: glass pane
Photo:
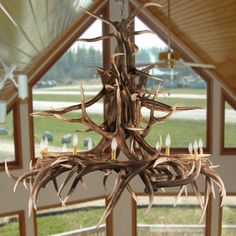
[
  {"x": 79, "y": 218},
  {"x": 7, "y": 147},
  {"x": 60, "y": 87},
  {"x": 230, "y": 126},
  {"x": 229, "y": 216},
  {"x": 181, "y": 86},
  {"x": 166, "y": 220},
  {"x": 9, "y": 225}
]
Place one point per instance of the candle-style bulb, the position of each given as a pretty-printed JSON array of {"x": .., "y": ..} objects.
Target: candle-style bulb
[
  {"x": 42, "y": 145},
  {"x": 45, "y": 143},
  {"x": 75, "y": 140},
  {"x": 168, "y": 140},
  {"x": 113, "y": 149},
  {"x": 200, "y": 145},
  {"x": 195, "y": 146},
  {"x": 190, "y": 148},
  {"x": 157, "y": 146},
  {"x": 113, "y": 144},
  {"x": 90, "y": 144},
  {"x": 167, "y": 143}
]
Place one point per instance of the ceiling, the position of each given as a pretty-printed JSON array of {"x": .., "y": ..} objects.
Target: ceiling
[
  {"x": 208, "y": 29},
  {"x": 30, "y": 28}
]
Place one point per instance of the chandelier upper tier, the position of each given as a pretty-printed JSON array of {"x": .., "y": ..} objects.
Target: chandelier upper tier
[{"x": 122, "y": 132}]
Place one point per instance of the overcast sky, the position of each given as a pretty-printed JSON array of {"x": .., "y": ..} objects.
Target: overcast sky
[{"x": 144, "y": 41}]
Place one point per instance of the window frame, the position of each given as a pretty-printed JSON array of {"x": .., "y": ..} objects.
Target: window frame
[
  {"x": 18, "y": 162},
  {"x": 220, "y": 213},
  {"x": 199, "y": 71},
  {"x": 109, "y": 222},
  {"x": 208, "y": 215},
  {"x": 225, "y": 97},
  {"x": 21, "y": 218}
]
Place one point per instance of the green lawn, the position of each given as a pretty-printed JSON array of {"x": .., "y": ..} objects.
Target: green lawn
[
  {"x": 186, "y": 129},
  {"x": 77, "y": 98},
  {"x": 60, "y": 128},
  {"x": 86, "y": 217},
  {"x": 185, "y": 91},
  {"x": 64, "y": 98},
  {"x": 10, "y": 229},
  {"x": 190, "y": 214},
  {"x": 53, "y": 224},
  {"x": 230, "y": 135}
]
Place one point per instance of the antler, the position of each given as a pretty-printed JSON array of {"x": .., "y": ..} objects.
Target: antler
[{"x": 126, "y": 98}]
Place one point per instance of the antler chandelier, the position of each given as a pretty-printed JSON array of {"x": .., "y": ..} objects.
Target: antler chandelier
[{"x": 125, "y": 92}]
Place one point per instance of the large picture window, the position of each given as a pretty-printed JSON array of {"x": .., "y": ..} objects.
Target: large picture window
[
  {"x": 229, "y": 216},
  {"x": 228, "y": 125},
  {"x": 12, "y": 224},
  {"x": 181, "y": 86},
  {"x": 79, "y": 219},
  {"x": 165, "y": 219},
  {"x": 60, "y": 87},
  {"x": 10, "y": 142}
]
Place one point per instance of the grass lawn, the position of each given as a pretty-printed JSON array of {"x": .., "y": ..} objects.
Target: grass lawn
[
  {"x": 77, "y": 98},
  {"x": 188, "y": 131},
  {"x": 10, "y": 229},
  {"x": 170, "y": 215},
  {"x": 230, "y": 135},
  {"x": 60, "y": 128},
  {"x": 64, "y": 98},
  {"x": 185, "y": 91},
  {"x": 53, "y": 224}
]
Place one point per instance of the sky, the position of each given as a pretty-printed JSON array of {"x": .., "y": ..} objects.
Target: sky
[{"x": 144, "y": 41}]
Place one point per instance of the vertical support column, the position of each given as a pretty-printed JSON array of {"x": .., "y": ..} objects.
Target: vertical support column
[
  {"x": 122, "y": 216},
  {"x": 216, "y": 151},
  {"x": 25, "y": 142}
]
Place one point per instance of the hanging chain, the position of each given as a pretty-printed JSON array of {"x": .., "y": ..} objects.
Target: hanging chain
[
  {"x": 169, "y": 26},
  {"x": 122, "y": 9}
]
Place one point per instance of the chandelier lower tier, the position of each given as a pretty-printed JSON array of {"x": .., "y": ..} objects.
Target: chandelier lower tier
[{"x": 123, "y": 132}]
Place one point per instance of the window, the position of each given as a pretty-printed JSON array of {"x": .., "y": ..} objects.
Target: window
[
  {"x": 7, "y": 147},
  {"x": 181, "y": 87},
  {"x": 60, "y": 87},
  {"x": 229, "y": 216},
  {"x": 82, "y": 217},
  {"x": 228, "y": 123},
  {"x": 12, "y": 224},
  {"x": 10, "y": 139},
  {"x": 165, "y": 219}
]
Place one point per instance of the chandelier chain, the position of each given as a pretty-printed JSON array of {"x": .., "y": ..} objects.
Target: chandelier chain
[{"x": 122, "y": 9}]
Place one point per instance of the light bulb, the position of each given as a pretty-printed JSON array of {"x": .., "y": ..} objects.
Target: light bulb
[
  {"x": 190, "y": 148},
  {"x": 113, "y": 144},
  {"x": 157, "y": 146},
  {"x": 195, "y": 146},
  {"x": 168, "y": 140},
  {"x": 46, "y": 142},
  {"x": 200, "y": 143},
  {"x": 90, "y": 144},
  {"x": 42, "y": 145},
  {"x": 75, "y": 140}
]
